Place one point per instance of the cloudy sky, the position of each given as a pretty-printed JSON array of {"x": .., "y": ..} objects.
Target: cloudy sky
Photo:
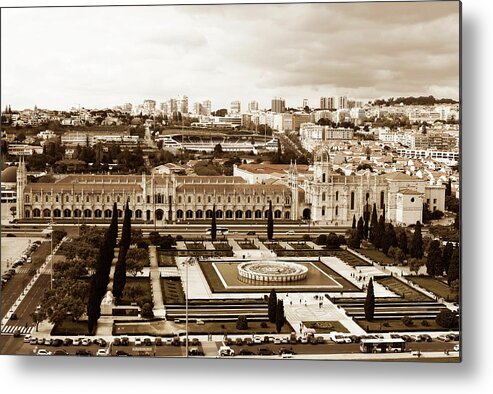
[{"x": 100, "y": 57}]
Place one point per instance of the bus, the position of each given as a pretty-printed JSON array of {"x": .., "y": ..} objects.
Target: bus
[
  {"x": 380, "y": 345},
  {"x": 219, "y": 231}
]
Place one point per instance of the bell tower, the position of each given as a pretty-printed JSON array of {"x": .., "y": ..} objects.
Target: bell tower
[
  {"x": 293, "y": 184},
  {"x": 21, "y": 185}
]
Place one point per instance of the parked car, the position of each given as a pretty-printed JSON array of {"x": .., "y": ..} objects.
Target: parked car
[
  {"x": 57, "y": 342},
  {"x": 85, "y": 342},
  {"x": 195, "y": 351},
  {"x": 125, "y": 341},
  {"x": 76, "y": 342},
  {"x": 49, "y": 342},
  {"x": 43, "y": 352},
  {"x": 117, "y": 342},
  {"x": 60, "y": 352},
  {"x": 266, "y": 339},
  {"x": 238, "y": 341},
  {"x": 122, "y": 353},
  {"x": 102, "y": 353},
  {"x": 290, "y": 232},
  {"x": 225, "y": 351},
  {"x": 27, "y": 339},
  {"x": 33, "y": 341},
  {"x": 67, "y": 341},
  {"x": 83, "y": 353},
  {"x": 263, "y": 351},
  {"x": 277, "y": 340},
  {"x": 443, "y": 338},
  {"x": 426, "y": 338},
  {"x": 41, "y": 341},
  {"x": 286, "y": 350},
  {"x": 251, "y": 233},
  {"x": 249, "y": 341},
  {"x": 159, "y": 341},
  {"x": 17, "y": 333},
  {"x": 304, "y": 340},
  {"x": 257, "y": 339},
  {"x": 456, "y": 348},
  {"x": 138, "y": 341},
  {"x": 245, "y": 352},
  {"x": 285, "y": 340}
]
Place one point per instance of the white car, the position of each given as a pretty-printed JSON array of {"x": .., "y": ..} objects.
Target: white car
[
  {"x": 43, "y": 352},
  {"x": 76, "y": 342},
  {"x": 290, "y": 232},
  {"x": 27, "y": 338},
  {"x": 257, "y": 339},
  {"x": 277, "y": 340},
  {"x": 86, "y": 342},
  {"x": 304, "y": 340},
  {"x": 102, "y": 353},
  {"x": 138, "y": 342},
  {"x": 456, "y": 348}
]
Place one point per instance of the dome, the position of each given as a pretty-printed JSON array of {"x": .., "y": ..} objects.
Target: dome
[{"x": 9, "y": 175}]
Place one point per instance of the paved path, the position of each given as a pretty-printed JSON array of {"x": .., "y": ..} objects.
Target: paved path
[
  {"x": 157, "y": 294},
  {"x": 209, "y": 348}
]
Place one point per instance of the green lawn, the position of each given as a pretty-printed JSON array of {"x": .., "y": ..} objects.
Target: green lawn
[
  {"x": 222, "y": 246},
  {"x": 325, "y": 327},
  {"x": 166, "y": 260},
  {"x": 273, "y": 246},
  {"x": 247, "y": 245},
  {"x": 195, "y": 246},
  {"x": 69, "y": 327},
  {"x": 299, "y": 245},
  {"x": 351, "y": 259},
  {"x": 378, "y": 325},
  {"x": 402, "y": 289},
  {"x": 254, "y": 327},
  {"x": 437, "y": 287},
  {"x": 377, "y": 256},
  {"x": 143, "y": 283},
  {"x": 172, "y": 291}
]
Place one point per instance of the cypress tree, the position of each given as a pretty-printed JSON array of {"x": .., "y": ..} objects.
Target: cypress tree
[
  {"x": 389, "y": 239},
  {"x": 453, "y": 272},
  {"x": 120, "y": 276},
  {"x": 354, "y": 222},
  {"x": 272, "y": 306},
  {"x": 383, "y": 212},
  {"x": 417, "y": 242},
  {"x": 213, "y": 224},
  {"x": 370, "y": 301},
  {"x": 360, "y": 229},
  {"x": 402, "y": 240},
  {"x": 280, "y": 319},
  {"x": 379, "y": 233},
  {"x": 448, "y": 250},
  {"x": 270, "y": 223},
  {"x": 434, "y": 265},
  {"x": 373, "y": 223}
]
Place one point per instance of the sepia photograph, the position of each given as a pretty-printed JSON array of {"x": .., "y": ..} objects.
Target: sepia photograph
[{"x": 232, "y": 181}]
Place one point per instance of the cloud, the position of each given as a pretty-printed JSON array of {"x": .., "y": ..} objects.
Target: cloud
[{"x": 105, "y": 56}]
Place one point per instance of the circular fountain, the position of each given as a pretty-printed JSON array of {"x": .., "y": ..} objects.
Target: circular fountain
[{"x": 272, "y": 271}]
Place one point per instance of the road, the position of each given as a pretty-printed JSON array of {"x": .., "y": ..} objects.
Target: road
[{"x": 11, "y": 345}]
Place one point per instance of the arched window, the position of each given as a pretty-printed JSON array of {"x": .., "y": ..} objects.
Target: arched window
[
  {"x": 179, "y": 214},
  {"x": 57, "y": 198},
  {"x": 277, "y": 214},
  {"x": 219, "y": 199},
  {"x": 160, "y": 214},
  {"x": 88, "y": 213},
  {"x": 238, "y": 214},
  {"x": 323, "y": 196},
  {"x": 277, "y": 200},
  {"x": 107, "y": 199},
  {"x": 382, "y": 199},
  {"x": 199, "y": 199},
  {"x": 36, "y": 199},
  {"x": 288, "y": 200},
  {"x": 46, "y": 213},
  {"x": 67, "y": 198},
  {"x": 287, "y": 215},
  {"x": 229, "y": 199},
  {"x": 120, "y": 213},
  {"x": 208, "y": 214},
  {"x": 323, "y": 178},
  {"x": 78, "y": 213},
  {"x": 27, "y": 213},
  {"x": 36, "y": 213},
  {"x": 189, "y": 214},
  {"x": 229, "y": 214},
  {"x": 248, "y": 214},
  {"x": 67, "y": 213},
  {"x": 27, "y": 199},
  {"x": 219, "y": 214},
  {"x": 208, "y": 199},
  {"x": 352, "y": 200},
  {"x": 138, "y": 214},
  {"x": 88, "y": 199},
  {"x": 189, "y": 199},
  {"x": 323, "y": 210},
  {"x": 179, "y": 199},
  {"x": 337, "y": 196},
  {"x": 337, "y": 210},
  {"x": 98, "y": 213},
  {"x": 239, "y": 199},
  {"x": 258, "y": 214},
  {"x": 107, "y": 213},
  {"x": 248, "y": 199},
  {"x": 199, "y": 214},
  {"x": 47, "y": 198}
]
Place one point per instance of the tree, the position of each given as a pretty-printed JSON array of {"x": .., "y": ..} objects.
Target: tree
[
  {"x": 272, "y": 306},
  {"x": 213, "y": 224},
  {"x": 389, "y": 238},
  {"x": 447, "y": 319},
  {"x": 366, "y": 218},
  {"x": 416, "y": 250},
  {"x": 280, "y": 319},
  {"x": 333, "y": 241},
  {"x": 242, "y": 323},
  {"x": 360, "y": 229},
  {"x": 379, "y": 232},
  {"x": 396, "y": 254},
  {"x": 354, "y": 222},
  {"x": 136, "y": 260},
  {"x": 447, "y": 253},
  {"x": 270, "y": 223},
  {"x": 120, "y": 276},
  {"x": 147, "y": 311},
  {"x": 373, "y": 223},
  {"x": 402, "y": 241},
  {"x": 353, "y": 240},
  {"x": 434, "y": 265},
  {"x": 453, "y": 272},
  {"x": 218, "y": 150},
  {"x": 370, "y": 301},
  {"x": 414, "y": 265}
]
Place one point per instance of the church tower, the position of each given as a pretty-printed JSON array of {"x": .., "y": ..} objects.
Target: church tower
[
  {"x": 293, "y": 184},
  {"x": 21, "y": 185}
]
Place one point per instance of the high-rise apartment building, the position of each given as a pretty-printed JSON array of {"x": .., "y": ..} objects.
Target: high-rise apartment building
[
  {"x": 150, "y": 106},
  {"x": 342, "y": 102},
  {"x": 327, "y": 103},
  {"x": 278, "y": 105},
  {"x": 236, "y": 107},
  {"x": 252, "y": 106},
  {"x": 206, "y": 107}
]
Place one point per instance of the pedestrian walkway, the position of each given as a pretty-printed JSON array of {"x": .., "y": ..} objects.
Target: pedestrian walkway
[
  {"x": 22, "y": 329},
  {"x": 157, "y": 293},
  {"x": 209, "y": 348}
]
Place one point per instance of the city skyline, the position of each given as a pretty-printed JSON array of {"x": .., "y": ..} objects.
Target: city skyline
[{"x": 368, "y": 53}]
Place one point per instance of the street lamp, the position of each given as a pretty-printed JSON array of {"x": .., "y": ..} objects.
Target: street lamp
[{"x": 189, "y": 261}]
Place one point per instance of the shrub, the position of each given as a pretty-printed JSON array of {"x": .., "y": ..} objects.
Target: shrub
[
  {"x": 321, "y": 239},
  {"x": 147, "y": 311},
  {"x": 263, "y": 325},
  {"x": 386, "y": 324},
  {"x": 425, "y": 323},
  {"x": 447, "y": 319},
  {"x": 179, "y": 237},
  {"x": 407, "y": 321},
  {"x": 142, "y": 244},
  {"x": 306, "y": 237},
  {"x": 242, "y": 323}
]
